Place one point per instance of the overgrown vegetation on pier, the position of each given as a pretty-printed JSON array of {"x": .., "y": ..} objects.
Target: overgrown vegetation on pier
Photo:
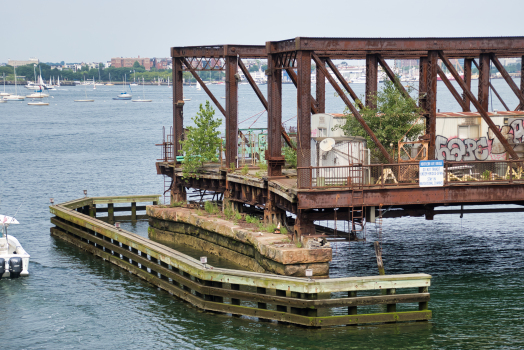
[
  {"x": 201, "y": 143},
  {"x": 393, "y": 120}
]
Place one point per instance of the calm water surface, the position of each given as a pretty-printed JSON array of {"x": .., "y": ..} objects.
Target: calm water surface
[{"x": 74, "y": 300}]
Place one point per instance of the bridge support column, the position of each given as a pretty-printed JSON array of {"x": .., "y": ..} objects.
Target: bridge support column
[
  {"x": 178, "y": 106},
  {"x": 273, "y": 214},
  {"x": 303, "y": 226},
  {"x": 431, "y": 103},
  {"x": 178, "y": 191},
  {"x": 274, "y": 157},
  {"x": 371, "y": 81},
  {"x": 483, "y": 96}
]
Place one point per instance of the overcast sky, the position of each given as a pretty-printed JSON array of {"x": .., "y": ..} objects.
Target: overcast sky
[{"x": 96, "y": 30}]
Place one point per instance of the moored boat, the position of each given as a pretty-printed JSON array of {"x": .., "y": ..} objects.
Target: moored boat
[{"x": 14, "y": 260}]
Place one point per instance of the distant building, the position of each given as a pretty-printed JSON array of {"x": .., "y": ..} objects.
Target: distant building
[
  {"x": 161, "y": 63},
  {"x": 18, "y": 63},
  {"x": 120, "y": 62}
]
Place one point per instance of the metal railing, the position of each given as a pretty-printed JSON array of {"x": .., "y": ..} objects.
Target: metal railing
[{"x": 407, "y": 174}]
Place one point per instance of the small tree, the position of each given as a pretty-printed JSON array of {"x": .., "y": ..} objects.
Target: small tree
[
  {"x": 201, "y": 143},
  {"x": 393, "y": 120}
]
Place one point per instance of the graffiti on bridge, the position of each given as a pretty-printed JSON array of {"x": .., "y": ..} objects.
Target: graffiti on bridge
[{"x": 484, "y": 148}]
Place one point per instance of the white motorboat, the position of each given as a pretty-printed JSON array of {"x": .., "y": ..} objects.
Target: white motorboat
[
  {"x": 2, "y": 100},
  {"x": 14, "y": 260}
]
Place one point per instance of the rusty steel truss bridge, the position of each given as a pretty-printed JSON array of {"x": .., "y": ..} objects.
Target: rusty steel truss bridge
[{"x": 354, "y": 193}]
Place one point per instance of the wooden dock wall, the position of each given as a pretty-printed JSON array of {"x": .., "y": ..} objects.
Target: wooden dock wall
[{"x": 294, "y": 300}]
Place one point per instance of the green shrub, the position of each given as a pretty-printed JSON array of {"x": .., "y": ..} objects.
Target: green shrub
[
  {"x": 178, "y": 204},
  {"x": 283, "y": 230},
  {"x": 238, "y": 216},
  {"x": 211, "y": 208},
  {"x": 298, "y": 244},
  {"x": 245, "y": 170},
  {"x": 252, "y": 220},
  {"x": 290, "y": 155},
  {"x": 270, "y": 228},
  {"x": 228, "y": 212},
  {"x": 232, "y": 167},
  {"x": 262, "y": 166}
]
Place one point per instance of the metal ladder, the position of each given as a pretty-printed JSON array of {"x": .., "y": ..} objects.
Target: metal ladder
[{"x": 357, "y": 214}]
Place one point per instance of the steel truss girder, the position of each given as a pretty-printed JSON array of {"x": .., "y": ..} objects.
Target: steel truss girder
[
  {"x": 245, "y": 51},
  {"x": 479, "y": 107},
  {"x": 453, "y": 91},
  {"x": 475, "y": 46},
  {"x": 492, "y": 89},
  {"x": 206, "y": 89},
  {"x": 262, "y": 99},
  {"x": 352, "y": 108},
  {"x": 508, "y": 79},
  {"x": 205, "y": 63}
]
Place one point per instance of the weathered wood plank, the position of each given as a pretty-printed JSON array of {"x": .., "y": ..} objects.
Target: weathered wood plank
[{"x": 193, "y": 267}]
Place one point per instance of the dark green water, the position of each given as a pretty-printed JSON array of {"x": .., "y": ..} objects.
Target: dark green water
[{"x": 74, "y": 300}]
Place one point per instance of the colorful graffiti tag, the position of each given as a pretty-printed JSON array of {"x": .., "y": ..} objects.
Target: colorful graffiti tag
[{"x": 484, "y": 148}]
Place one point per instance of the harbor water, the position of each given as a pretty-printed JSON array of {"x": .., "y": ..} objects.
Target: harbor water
[{"x": 73, "y": 300}]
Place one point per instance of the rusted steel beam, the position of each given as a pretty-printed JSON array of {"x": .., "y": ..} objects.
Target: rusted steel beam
[
  {"x": 380, "y": 45},
  {"x": 206, "y": 89},
  {"x": 304, "y": 114},
  {"x": 495, "y": 193},
  {"x": 355, "y": 112},
  {"x": 452, "y": 89},
  {"x": 371, "y": 81},
  {"x": 262, "y": 99},
  {"x": 467, "y": 81},
  {"x": 492, "y": 89},
  {"x": 506, "y": 77},
  {"x": 254, "y": 86},
  {"x": 293, "y": 77},
  {"x": 423, "y": 82},
  {"x": 392, "y": 76},
  {"x": 274, "y": 118},
  {"x": 484, "y": 73},
  {"x": 178, "y": 106},
  {"x": 320, "y": 89},
  {"x": 344, "y": 83},
  {"x": 246, "y": 51},
  {"x": 431, "y": 103},
  {"x": 520, "y": 107},
  {"x": 232, "y": 111},
  {"x": 479, "y": 107}
]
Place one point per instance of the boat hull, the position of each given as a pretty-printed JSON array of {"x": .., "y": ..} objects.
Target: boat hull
[{"x": 14, "y": 250}]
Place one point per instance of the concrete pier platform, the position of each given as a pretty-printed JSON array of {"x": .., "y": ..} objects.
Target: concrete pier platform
[{"x": 239, "y": 242}]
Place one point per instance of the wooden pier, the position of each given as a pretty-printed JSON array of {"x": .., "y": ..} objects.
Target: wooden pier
[{"x": 299, "y": 301}]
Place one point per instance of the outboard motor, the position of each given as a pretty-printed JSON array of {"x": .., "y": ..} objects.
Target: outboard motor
[
  {"x": 2, "y": 267},
  {"x": 15, "y": 267}
]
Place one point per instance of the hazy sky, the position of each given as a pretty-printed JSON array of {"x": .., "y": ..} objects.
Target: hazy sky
[{"x": 96, "y": 30}]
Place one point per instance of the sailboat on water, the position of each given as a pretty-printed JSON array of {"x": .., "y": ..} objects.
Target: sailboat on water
[
  {"x": 110, "y": 83},
  {"x": 4, "y": 93},
  {"x": 124, "y": 95},
  {"x": 86, "y": 99},
  {"x": 14, "y": 97},
  {"x": 144, "y": 94}
]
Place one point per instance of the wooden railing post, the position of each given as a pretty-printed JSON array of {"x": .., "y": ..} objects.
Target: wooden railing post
[
  {"x": 110, "y": 213},
  {"x": 423, "y": 305},
  {"x": 391, "y": 307},
  {"x": 352, "y": 310},
  {"x": 133, "y": 211}
]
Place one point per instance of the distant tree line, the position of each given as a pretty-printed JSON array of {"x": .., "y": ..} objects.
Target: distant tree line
[{"x": 117, "y": 74}]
